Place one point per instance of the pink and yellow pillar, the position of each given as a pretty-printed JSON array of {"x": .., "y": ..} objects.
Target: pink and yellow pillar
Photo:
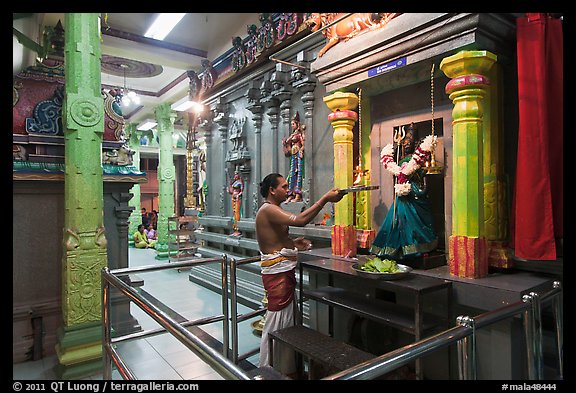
[
  {"x": 343, "y": 119},
  {"x": 468, "y": 247}
]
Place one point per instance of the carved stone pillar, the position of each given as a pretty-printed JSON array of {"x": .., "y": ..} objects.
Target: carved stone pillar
[
  {"x": 283, "y": 94},
  {"x": 273, "y": 116},
  {"x": 79, "y": 346},
  {"x": 343, "y": 119},
  {"x": 166, "y": 176},
  {"x": 221, "y": 119},
  {"x": 467, "y": 249},
  {"x": 207, "y": 133},
  {"x": 257, "y": 117}
]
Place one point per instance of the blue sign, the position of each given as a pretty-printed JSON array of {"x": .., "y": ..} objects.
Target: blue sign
[{"x": 401, "y": 62}]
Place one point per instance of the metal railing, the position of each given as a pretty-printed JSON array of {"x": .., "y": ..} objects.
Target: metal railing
[
  {"x": 464, "y": 335},
  {"x": 225, "y": 364},
  {"x": 235, "y": 317},
  {"x": 219, "y": 362}
]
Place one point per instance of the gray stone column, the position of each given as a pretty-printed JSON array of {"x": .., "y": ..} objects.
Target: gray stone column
[
  {"x": 221, "y": 119},
  {"x": 257, "y": 117}
]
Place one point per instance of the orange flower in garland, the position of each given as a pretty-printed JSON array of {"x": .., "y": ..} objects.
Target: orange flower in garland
[{"x": 403, "y": 172}]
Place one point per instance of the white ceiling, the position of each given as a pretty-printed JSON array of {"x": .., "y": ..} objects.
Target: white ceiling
[{"x": 198, "y": 35}]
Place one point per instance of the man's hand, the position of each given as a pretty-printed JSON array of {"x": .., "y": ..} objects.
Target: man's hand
[
  {"x": 334, "y": 195},
  {"x": 302, "y": 244}
]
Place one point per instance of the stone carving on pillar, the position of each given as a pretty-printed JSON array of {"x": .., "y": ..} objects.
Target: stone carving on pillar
[
  {"x": 257, "y": 109},
  {"x": 273, "y": 117},
  {"x": 238, "y": 155},
  {"x": 221, "y": 118}
]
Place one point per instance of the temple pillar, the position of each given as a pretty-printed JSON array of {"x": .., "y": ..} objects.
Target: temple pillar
[
  {"x": 166, "y": 176},
  {"x": 468, "y": 248},
  {"x": 495, "y": 212},
  {"x": 136, "y": 215},
  {"x": 257, "y": 117},
  {"x": 274, "y": 118},
  {"x": 222, "y": 118},
  {"x": 343, "y": 119},
  {"x": 79, "y": 346}
]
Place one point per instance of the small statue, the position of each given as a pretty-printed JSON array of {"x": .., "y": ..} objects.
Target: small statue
[
  {"x": 408, "y": 229},
  {"x": 293, "y": 147},
  {"x": 236, "y": 189}
]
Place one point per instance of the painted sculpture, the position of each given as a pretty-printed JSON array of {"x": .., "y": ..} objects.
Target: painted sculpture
[
  {"x": 346, "y": 28},
  {"x": 407, "y": 231},
  {"x": 236, "y": 189},
  {"x": 293, "y": 147}
]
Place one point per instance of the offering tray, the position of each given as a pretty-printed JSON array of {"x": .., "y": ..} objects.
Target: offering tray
[
  {"x": 404, "y": 272},
  {"x": 358, "y": 188}
]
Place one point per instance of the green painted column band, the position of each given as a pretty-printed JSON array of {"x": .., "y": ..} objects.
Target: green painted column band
[
  {"x": 136, "y": 215},
  {"x": 166, "y": 175},
  {"x": 84, "y": 243},
  {"x": 83, "y": 119}
]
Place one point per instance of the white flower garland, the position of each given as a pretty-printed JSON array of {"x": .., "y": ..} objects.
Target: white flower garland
[{"x": 403, "y": 186}]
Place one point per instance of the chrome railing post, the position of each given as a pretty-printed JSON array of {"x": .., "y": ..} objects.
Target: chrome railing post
[
  {"x": 530, "y": 337},
  {"x": 467, "y": 350},
  {"x": 234, "y": 309},
  {"x": 557, "y": 309},
  {"x": 537, "y": 320},
  {"x": 106, "y": 329},
  {"x": 225, "y": 321}
]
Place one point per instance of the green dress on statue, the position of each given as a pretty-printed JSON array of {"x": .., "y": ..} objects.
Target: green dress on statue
[{"x": 407, "y": 231}]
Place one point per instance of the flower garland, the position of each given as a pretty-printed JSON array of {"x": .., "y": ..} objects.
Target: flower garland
[{"x": 403, "y": 172}]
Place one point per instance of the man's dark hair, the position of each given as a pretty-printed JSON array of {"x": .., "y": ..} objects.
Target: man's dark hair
[{"x": 270, "y": 180}]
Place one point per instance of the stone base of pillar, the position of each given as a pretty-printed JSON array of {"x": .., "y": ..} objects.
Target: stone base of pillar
[
  {"x": 344, "y": 240},
  {"x": 162, "y": 251},
  {"x": 499, "y": 256},
  {"x": 365, "y": 237},
  {"x": 467, "y": 256},
  {"x": 79, "y": 352}
]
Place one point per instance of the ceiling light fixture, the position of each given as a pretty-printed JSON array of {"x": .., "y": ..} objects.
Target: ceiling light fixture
[
  {"x": 128, "y": 97},
  {"x": 163, "y": 25},
  {"x": 146, "y": 125},
  {"x": 185, "y": 103}
]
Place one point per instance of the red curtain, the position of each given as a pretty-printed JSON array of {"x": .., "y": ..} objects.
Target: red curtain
[{"x": 537, "y": 210}]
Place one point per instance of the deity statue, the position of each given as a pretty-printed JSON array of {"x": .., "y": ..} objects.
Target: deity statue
[
  {"x": 293, "y": 147},
  {"x": 236, "y": 189},
  {"x": 407, "y": 231}
]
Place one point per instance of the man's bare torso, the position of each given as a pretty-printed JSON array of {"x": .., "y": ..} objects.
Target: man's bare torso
[{"x": 271, "y": 236}]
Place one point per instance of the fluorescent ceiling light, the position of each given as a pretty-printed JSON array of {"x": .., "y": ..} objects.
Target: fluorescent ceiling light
[
  {"x": 182, "y": 104},
  {"x": 163, "y": 25},
  {"x": 185, "y": 103},
  {"x": 146, "y": 125}
]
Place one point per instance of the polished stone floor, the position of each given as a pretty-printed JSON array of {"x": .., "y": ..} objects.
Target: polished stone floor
[{"x": 162, "y": 357}]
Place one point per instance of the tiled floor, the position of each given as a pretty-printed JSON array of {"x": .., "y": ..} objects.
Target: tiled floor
[{"x": 162, "y": 357}]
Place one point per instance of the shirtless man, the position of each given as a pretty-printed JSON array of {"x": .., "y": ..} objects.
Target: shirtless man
[{"x": 279, "y": 256}]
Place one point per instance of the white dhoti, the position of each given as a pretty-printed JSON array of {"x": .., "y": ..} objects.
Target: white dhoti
[{"x": 284, "y": 358}]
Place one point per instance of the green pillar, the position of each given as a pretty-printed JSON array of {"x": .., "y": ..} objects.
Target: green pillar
[
  {"x": 467, "y": 245},
  {"x": 166, "y": 176},
  {"x": 79, "y": 346},
  {"x": 136, "y": 215}
]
